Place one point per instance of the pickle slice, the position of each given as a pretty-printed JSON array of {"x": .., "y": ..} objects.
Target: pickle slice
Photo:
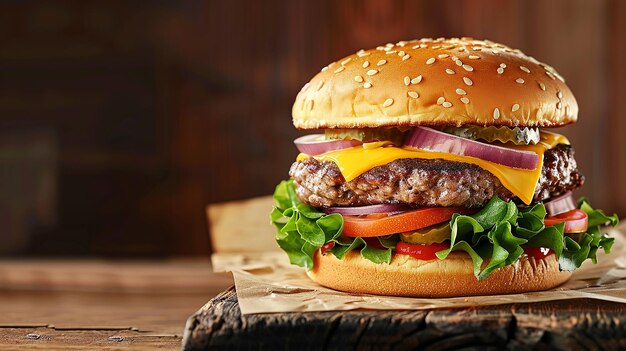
[
  {"x": 435, "y": 234},
  {"x": 394, "y": 135},
  {"x": 515, "y": 135}
]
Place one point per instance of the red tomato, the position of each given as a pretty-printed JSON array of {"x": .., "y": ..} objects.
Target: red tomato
[
  {"x": 575, "y": 221},
  {"x": 380, "y": 224},
  {"x": 421, "y": 252},
  {"x": 537, "y": 252}
]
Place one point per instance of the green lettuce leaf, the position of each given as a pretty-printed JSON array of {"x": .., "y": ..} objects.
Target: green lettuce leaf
[
  {"x": 301, "y": 229},
  {"x": 497, "y": 232},
  {"x": 492, "y": 237}
]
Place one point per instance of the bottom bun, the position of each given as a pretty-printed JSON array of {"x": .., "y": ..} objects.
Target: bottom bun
[{"x": 454, "y": 276}]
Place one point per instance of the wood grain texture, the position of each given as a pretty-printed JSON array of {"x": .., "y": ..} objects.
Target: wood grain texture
[
  {"x": 67, "y": 305},
  {"x": 47, "y": 338},
  {"x": 564, "y": 325}
]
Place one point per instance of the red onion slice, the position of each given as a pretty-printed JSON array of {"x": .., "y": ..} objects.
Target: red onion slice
[
  {"x": 316, "y": 144},
  {"x": 561, "y": 204},
  {"x": 433, "y": 140},
  {"x": 389, "y": 209}
]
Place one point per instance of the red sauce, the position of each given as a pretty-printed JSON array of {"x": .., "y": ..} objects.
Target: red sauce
[
  {"x": 327, "y": 246},
  {"x": 537, "y": 252},
  {"x": 420, "y": 252}
]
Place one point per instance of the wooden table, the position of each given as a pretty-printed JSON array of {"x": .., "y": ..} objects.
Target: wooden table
[{"x": 64, "y": 305}]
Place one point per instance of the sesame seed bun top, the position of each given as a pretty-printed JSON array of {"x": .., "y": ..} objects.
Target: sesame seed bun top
[{"x": 435, "y": 82}]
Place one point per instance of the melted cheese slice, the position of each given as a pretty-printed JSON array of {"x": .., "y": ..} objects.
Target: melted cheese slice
[{"x": 355, "y": 161}]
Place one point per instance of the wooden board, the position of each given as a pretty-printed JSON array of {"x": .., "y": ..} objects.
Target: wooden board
[
  {"x": 564, "y": 325},
  {"x": 100, "y": 305}
]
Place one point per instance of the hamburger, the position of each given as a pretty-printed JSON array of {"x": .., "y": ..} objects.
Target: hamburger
[{"x": 431, "y": 173}]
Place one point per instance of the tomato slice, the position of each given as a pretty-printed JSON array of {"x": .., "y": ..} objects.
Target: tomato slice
[
  {"x": 379, "y": 225},
  {"x": 421, "y": 252},
  {"x": 575, "y": 221}
]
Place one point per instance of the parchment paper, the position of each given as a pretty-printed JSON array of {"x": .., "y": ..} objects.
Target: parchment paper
[{"x": 266, "y": 282}]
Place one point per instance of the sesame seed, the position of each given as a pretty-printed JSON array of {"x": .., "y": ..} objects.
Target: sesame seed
[
  {"x": 458, "y": 62},
  {"x": 515, "y": 107},
  {"x": 416, "y": 47},
  {"x": 542, "y": 86},
  {"x": 324, "y": 68},
  {"x": 449, "y": 71},
  {"x": 381, "y": 62},
  {"x": 460, "y": 91},
  {"x": 346, "y": 61},
  {"x": 366, "y": 64},
  {"x": 446, "y": 104},
  {"x": 474, "y": 57},
  {"x": 500, "y": 70},
  {"x": 496, "y": 113},
  {"x": 436, "y": 46},
  {"x": 468, "y": 68},
  {"x": 430, "y": 61},
  {"x": 401, "y": 53},
  {"x": 467, "y": 81},
  {"x": 524, "y": 69},
  {"x": 477, "y": 48},
  {"x": 443, "y": 56},
  {"x": 413, "y": 94},
  {"x": 305, "y": 87},
  {"x": 550, "y": 75},
  {"x": 362, "y": 53},
  {"x": 358, "y": 79},
  {"x": 372, "y": 72},
  {"x": 388, "y": 102},
  {"x": 558, "y": 105},
  {"x": 367, "y": 85},
  {"x": 416, "y": 80},
  {"x": 503, "y": 65},
  {"x": 320, "y": 85},
  {"x": 559, "y": 94},
  {"x": 391, "y": 52},
  {"x": 519, "y": 80},
  {"x": 441, "y": 100},
  {"x": 406, "y": 57},
  {"x": 311, "y": 102},
  {"x": 407, "y": 80},
  {"x": 341, "y": 68},
  {"x": 465, "y": 100}
]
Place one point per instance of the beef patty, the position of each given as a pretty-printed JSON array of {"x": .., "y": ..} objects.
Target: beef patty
[{"x": 426, "y": 182}]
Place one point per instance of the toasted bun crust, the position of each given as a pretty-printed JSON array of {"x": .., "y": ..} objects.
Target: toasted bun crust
[
  {"x": 407, "y": 276},
  {"x": 435, "y": 82}
]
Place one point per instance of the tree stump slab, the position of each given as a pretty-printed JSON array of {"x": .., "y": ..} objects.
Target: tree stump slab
[{"x": 580, "y": 324}]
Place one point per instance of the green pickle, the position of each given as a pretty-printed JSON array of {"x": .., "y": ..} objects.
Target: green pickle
[
  {"x": 515, "y": 135},
  {"x": 394, "y": 135},
  {"x": 435, "y": 234}
]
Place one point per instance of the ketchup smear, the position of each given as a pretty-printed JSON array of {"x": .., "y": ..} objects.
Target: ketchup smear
[
  {"x": 537, "y": 253},
  {"x": 327, "y": 246}
]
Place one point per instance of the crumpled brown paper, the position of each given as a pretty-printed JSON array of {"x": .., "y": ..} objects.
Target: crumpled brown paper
[{"x": 266, "y": 282}]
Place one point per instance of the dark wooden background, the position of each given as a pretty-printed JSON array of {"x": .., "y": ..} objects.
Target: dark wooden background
[{"x": 121, "y": 120}]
